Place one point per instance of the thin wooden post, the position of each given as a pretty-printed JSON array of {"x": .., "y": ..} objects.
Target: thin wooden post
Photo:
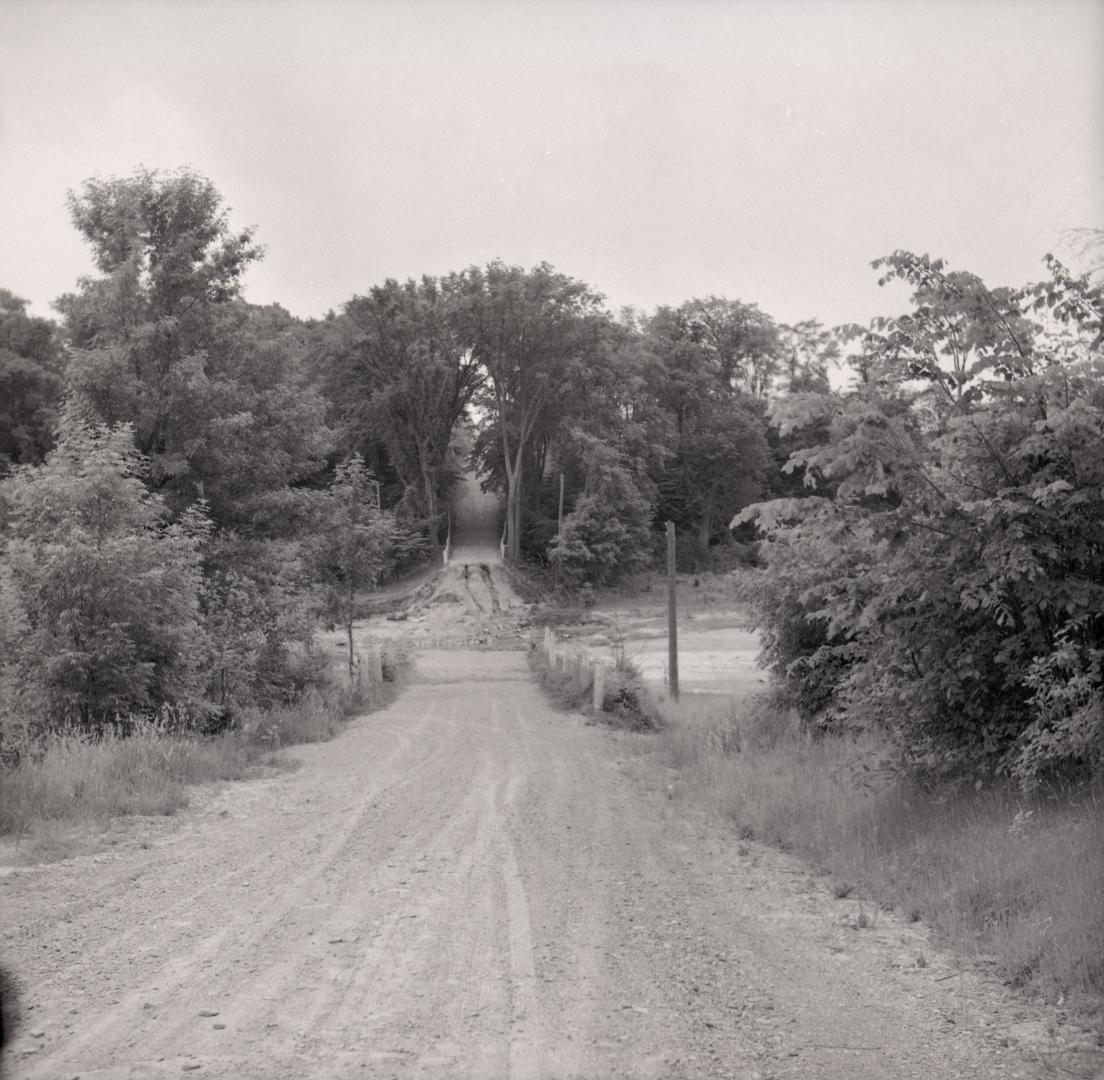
[
  {"x": 599, "y": 686},
  {"x": 672, "y": 617}
]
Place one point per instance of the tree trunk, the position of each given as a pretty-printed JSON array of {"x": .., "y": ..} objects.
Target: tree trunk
[
  {"x": 513, "y": 498},
  {"x": 349, "y": 623},
  {"x": 514, "y": 539},
  {"x": 705, "y": 530},
  {"x": 431, "y": 511}
]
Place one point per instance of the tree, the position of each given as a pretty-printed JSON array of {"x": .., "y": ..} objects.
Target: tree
[
  {"x": 711, "y": 354},
  {"x": 608, "y": 402},
  {"x": 109, "y": 588},
  {"x": 953, "y": 567},
  {"x": 719, "y": 465},
  {"x": 30, "y": 383},
  {"x": 352, "y": 545},
  {"x": 395, "y": 367},
  {"x": 163, "y": 342},
  {"x": 806, "y": 351},
  {"x": 534, "y": 332},
  {"x": 739, "y": 342},
  {"x": 606, "y": 534}
]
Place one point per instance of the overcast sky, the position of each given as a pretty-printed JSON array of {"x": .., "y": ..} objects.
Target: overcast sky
[{"x": 764, "y": 151}]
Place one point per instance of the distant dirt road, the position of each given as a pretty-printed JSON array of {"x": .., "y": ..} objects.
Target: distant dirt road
[{"x": 470, "y": 884}]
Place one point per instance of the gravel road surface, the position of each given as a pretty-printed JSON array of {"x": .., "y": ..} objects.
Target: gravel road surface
[{"x": 472, "y": 884}]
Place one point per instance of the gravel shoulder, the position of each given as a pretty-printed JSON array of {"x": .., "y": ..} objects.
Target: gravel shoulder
[{"x": 471, "y": 884}]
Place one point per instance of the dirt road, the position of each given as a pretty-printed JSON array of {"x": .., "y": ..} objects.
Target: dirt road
[{"x": 472, "y": 884}]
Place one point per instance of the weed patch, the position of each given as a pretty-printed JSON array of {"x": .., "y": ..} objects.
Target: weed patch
[{"x": 144, "y": 767}]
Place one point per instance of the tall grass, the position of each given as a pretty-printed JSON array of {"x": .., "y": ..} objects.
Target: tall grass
[
  {"x": 1018, "y": 879},
  {"x": 145, "y": 766}
]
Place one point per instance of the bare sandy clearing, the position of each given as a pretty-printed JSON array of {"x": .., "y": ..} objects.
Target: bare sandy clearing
[{"x": 717, "y": 653}]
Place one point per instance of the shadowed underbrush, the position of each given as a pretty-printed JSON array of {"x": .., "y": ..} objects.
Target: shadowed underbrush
[
  {"x": 145, "y": 766},
  {"x": 1015, "y": 879}
]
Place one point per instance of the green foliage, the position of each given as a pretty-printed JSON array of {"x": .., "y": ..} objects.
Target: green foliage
[
  {"x": 162, "y": 341},
  {"x": 538, "y": 334},
  {"x": 108, "y": 587},
  {"x": 607, "y": 532},
  {"x": 948, "y": 587},
  {"x": 30, "y": 383},
  {"x": 723, "y": 343},
  {"x": 395, "y": 370},
  {"x": 716, "y": 359},
  {"x": 20, "y": 703},
  {"x": 353, "y": 545}
]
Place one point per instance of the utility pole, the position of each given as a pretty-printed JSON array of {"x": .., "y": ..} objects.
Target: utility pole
[{"x": 672, "y": 620}]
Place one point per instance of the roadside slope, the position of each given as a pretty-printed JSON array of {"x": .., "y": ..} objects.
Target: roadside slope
[{"x": 470, "y": 884}]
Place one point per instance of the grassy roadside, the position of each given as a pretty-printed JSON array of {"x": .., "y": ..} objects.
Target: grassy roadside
[
  {"x": 75, "y": 778},
  {"x": 1017, "y": 881},
  {"x": 626, "y": 703}
]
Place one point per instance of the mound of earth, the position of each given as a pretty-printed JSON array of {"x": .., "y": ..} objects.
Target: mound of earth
[{"x": 469, "y": 603}]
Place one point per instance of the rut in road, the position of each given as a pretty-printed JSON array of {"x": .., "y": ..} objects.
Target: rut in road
[{"x": 470, "y": 884}]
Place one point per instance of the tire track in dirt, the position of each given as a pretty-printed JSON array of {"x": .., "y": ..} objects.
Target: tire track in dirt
[
  {"x": 283, "y": 928},
  {"x": 79, "y": 911},
  {"x": 469, "y": 884},
  {"x": 190, "y": 974}
]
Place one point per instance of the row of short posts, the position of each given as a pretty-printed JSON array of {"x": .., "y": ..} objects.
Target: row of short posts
[{"x": 577, "y": 665}]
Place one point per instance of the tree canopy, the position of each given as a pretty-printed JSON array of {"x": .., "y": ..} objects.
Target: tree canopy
[
  {"x": 947, "y": 585},
  {"x": 189, "y": 482}
]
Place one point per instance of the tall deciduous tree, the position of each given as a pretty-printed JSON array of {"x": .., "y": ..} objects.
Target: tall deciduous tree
[
  {"x": 739, "y": 343},
  {"x": 534, "y": 332},
  {"x": 720, "y": 463},
  {"x": 162, "y": 341},
  {"x": 715, "y": 357},
  {"x": 395, "y": 366}
]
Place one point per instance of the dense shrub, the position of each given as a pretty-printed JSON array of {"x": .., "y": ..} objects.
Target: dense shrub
[
  {"x": 607, "y": 533},
  {"x": 106, "y": 586},
  {"x": 949, "y": 588}
]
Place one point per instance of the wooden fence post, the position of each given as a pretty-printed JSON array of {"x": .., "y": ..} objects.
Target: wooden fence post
[{"x": 599, "y": 685}]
